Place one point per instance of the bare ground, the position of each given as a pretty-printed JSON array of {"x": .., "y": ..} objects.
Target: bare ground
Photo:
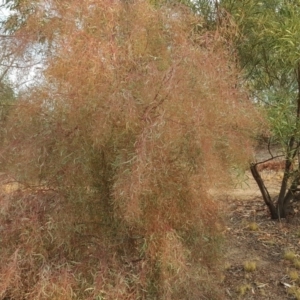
[{"x": 274, "y": 276}]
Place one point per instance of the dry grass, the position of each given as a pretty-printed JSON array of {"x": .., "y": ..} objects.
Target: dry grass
[
  {"x": 250, "y": 266},
  {"x": 294, "y": 275},
  {"x": 295, "y": 292},
  {"x": 296, "y": 263},
  {"x": 243, "y": 289},
  {"x": 253, "y": 226},
  {"x": 289, "y": 255}
]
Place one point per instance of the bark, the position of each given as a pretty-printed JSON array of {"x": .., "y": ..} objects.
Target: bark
[
  {"x": 284, "y": 198},
  {"x": 265, "y": 194}
]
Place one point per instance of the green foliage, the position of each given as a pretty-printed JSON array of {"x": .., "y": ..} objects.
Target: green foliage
[
  {"x": 267, "y": 43},
  {"x": 268, "y": 46}
]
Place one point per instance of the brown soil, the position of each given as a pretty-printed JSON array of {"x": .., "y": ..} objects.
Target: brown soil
[{"x": 265, "y": 245}]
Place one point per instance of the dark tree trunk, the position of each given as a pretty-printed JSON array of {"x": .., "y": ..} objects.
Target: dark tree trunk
[
  {"x": 285, "y": 197},
  {"x": 264, "y": 192}
]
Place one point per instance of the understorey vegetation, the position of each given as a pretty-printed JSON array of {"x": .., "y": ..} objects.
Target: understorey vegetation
[{"x": 108, "y": 158}]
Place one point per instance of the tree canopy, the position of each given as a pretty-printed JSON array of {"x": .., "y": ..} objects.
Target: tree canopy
[{"x": 267, "y": 43}]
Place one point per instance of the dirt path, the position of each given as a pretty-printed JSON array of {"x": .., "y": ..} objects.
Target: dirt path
[{"x": 253, "y": 238}]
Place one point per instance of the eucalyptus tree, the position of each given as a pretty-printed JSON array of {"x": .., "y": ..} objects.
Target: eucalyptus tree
[{"x": 267, "y": 40}]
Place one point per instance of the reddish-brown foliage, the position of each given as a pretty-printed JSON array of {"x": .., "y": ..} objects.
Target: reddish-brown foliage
[{"x": 135, "y": 120}]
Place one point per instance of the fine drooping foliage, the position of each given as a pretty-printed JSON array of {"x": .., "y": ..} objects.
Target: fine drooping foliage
[
  {"x": 136, "y": 118},
  {"x": 267, "y": 40},
  {"x": 7, "y": 98}
]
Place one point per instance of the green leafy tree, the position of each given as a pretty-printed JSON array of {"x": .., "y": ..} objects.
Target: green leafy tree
[
  {"x": 117, "y": 149},
  {"x": 267, "y": 39}
]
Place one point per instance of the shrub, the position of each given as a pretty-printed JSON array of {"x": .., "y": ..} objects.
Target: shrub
[{"x": 136, "y": 119}]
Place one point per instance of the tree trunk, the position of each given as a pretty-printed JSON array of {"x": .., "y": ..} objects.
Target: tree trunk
[
  {"x": 279, "y": 209},
  {"x": 265, "y": 194},
  {"x": 284, "y": 197}
]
